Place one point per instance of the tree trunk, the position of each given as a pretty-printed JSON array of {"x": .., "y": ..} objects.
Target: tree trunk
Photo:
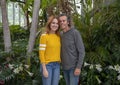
[
  {"x": 6, "y": 30},
  {"x": 33, "y": 26}
]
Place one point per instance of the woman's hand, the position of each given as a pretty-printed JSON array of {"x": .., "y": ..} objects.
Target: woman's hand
[{"x": 45, "y": 73}]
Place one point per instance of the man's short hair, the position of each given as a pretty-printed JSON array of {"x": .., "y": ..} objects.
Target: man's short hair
[{"x": 68, "y": 18}]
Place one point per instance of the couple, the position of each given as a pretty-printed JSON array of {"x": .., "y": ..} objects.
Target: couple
[{"x": 65, "y": 47}]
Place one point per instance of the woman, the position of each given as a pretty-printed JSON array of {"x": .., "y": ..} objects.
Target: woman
[{"x": 49, "y": 50}]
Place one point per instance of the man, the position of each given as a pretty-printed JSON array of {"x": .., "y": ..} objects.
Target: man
[{"x": 72, "y": 51}]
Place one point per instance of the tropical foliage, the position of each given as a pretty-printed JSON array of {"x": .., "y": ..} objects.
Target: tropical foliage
[
  {"x": 100, "y": 31},
  {"x": 99, "y": 25}
]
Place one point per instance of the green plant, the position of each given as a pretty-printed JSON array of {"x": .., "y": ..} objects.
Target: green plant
[
  {"x": 96, "y": 74},
  {"x": 17, "y": 72}
]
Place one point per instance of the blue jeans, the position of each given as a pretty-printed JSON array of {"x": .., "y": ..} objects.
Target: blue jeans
[
  {"x": 70, "y": 78},
  {"x": 53, "y": 74}
]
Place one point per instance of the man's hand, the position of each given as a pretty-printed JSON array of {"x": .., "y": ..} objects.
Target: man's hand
[{"x": 77, "y": 72}]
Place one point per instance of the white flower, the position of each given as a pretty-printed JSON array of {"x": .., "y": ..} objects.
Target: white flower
[
  {"x": 86, "y": 64},
  {"x": 91, "y": 66},
  {"x": 98, "y": 67},
  {"x": 16, "y": 71},
  {"x": 118, "y": 77},
  {"x": 99, "y": 81},
  {"x": 20, "y": 68},
  {"x": 117, "y": 68},
  {"x": 111, "y": 67},
  {"x": 61, "y": 76},
  {"x": 27, "y": 66},
  {"x": 119, "y": 71},
  {"x": 30, "y": 74},
  {"x": 11, "y": 66}
]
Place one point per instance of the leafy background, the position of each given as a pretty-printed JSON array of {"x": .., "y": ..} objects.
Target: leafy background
[{"x": 99, "y": 26}]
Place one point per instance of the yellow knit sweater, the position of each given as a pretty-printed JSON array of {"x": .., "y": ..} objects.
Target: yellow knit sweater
[{"x": 49, "y": 48}]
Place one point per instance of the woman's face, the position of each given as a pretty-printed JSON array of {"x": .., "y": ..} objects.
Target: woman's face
[{"x": 54, "y": 25}]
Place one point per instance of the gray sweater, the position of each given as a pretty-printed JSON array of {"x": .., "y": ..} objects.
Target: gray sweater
[{"x": 72, "y": 50}]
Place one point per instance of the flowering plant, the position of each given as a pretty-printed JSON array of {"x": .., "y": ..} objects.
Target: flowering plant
[
  {"x": 20, "y": 69},
  {"x": 96, "y": 74},
  {"x": 15, "y": 71}
]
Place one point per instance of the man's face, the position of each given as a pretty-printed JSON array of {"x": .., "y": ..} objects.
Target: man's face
[{"x": 63, "y": 22}]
